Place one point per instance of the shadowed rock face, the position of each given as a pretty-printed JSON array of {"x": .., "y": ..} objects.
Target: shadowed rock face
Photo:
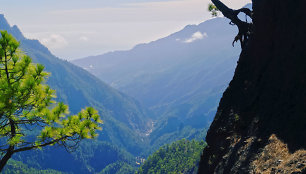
[{"x": 261, "y": 120}]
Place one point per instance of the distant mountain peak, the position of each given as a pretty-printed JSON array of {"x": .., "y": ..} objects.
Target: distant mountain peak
[{"x": 4, "y": 23}]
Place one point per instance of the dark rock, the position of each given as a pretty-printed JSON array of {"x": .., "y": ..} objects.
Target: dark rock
[{"x": 273, "y": 66}]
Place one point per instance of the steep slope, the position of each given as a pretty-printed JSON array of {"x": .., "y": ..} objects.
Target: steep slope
[
  {"x": 125, "y": 121},
  {"x": 180, "y": 78},
  {"x": 260, "y": 126}
]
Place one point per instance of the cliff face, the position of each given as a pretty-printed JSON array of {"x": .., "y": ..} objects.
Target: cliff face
[{"x": 260, "y": 126}]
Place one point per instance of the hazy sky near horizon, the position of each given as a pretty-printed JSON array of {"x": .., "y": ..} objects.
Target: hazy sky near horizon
[{"x": 78, "y": 28}]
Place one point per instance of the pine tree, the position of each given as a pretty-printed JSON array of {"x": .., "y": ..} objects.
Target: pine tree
[{"x": 29, "y": 116}]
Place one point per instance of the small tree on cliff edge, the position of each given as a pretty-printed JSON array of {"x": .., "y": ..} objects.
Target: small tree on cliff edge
[
  {"x": 29, "y": 117},
  {"x": 244, "y": 27}
]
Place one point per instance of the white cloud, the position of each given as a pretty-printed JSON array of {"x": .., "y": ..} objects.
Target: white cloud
[
  {"x": 196, "y": 36},
  {"x": 84, "y": 38},
  {"x": 54, "y": 41}
]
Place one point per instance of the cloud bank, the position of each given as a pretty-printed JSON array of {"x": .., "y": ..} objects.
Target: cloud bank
[
  {"x": 55, "y": 41},
  {"x": 196, "y": 36}
]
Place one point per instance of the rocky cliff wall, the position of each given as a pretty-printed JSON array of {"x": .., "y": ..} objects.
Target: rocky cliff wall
[{"x": 260, "y": 126}]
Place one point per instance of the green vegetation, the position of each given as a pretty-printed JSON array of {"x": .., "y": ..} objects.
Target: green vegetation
[
  {"x": 213, "y": 9},
  {"x": 182, "y": 156},
  {"x": 92, "y": 156},
  {"x": 118, "y": 168},
  {"x": 167, "y": 134},
  {"x": 95, "y": 153},
  {"x": 237, "y": 118},
  {"x": 27, "y": 104},
  {"x": 16, "y": 167}
]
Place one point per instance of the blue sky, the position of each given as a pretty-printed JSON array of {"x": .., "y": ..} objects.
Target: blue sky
[{"x": 78, "y": 28}]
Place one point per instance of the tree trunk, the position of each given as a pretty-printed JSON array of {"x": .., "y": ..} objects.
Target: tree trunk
[
  {"x": 6, "y": 157},
  {"x": 11, "y": 148}
]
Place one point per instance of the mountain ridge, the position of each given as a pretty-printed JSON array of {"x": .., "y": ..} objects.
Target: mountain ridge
[{"x": 180, "y": 78}]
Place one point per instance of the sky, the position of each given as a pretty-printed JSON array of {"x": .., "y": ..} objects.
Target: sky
[{"x": 73, "y": 29}]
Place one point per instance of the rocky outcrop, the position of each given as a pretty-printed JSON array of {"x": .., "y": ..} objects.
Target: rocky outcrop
[{"x": 260, "y": 126}]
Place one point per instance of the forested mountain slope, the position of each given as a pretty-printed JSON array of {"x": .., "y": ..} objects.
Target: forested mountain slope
[
  {"x": 260, "y": 126},
  {"x": 125, "y": 121},
  {"x": 14, "y": 167}
]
